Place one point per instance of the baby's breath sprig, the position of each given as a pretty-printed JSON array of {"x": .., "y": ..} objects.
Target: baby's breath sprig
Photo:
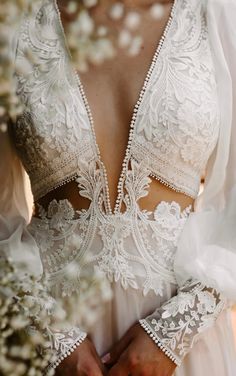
[
  {"x": 19, "y": 343},
  {"x": 29, "y": 314},
  {"x": 10, "y": 14},
  {"x": 88, "y": 43}
]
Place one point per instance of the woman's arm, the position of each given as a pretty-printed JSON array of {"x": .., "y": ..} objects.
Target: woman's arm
[
  {"x": 170, "y": 333},
  {"x": 207, "y": 246},
  {"x": 17, "y": 243},
  {"x": 176, "y": 325}
]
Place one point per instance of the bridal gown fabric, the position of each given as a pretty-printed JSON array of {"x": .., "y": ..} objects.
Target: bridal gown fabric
[{"x": 172, "y": 270}]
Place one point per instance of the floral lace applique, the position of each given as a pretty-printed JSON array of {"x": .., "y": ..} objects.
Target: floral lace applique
[
  {"x": 63, "y": 343},
  {"x": 119, "y": 245},
  {"x": 177, "y": 324}
]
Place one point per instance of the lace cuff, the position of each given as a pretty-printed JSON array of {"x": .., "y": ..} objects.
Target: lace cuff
[
  {"x": 62, "y": 344},
  {"x": 175, "y": 326}
]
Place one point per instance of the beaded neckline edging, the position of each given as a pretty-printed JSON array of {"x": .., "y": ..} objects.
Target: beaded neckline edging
[{"x": 148, "y": 76}]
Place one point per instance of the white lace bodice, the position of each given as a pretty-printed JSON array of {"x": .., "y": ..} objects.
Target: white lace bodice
[{"x": 175, "y": 122}]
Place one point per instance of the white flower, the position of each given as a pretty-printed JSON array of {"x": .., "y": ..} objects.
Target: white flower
[
  {"x": 84, "y": 25},
  {"x": 136, "y": 45},
  {"x": 75, "y": 241},
  {"x": 72, "y": 7},
  {"x": 90, "y": 3},
  {"x": 100, "y": 51},
  {"x": 168, "y": 215},
  {"x": 72, "y": 271},
  {"x": 114, "y": 229},
  {"x": 157, "y": 11},
  {"x": 124, "y": 39},
  {"x": 3, "y": 127},
  {"x": 117, "y": 11},
  {"x": 59, "y": 211},
  {"x": 102, "y": 31},
  {"x": 19, "y": 368},
  {"x": 132, "y": 20}
]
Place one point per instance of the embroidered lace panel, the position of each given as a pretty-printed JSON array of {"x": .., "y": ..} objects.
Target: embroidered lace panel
[
  {"x": 135, "y": 248},
  {"x": 176, "y": 325},
  {"x": 176, "y": 119},
  {"x": 63, "y": 343}
]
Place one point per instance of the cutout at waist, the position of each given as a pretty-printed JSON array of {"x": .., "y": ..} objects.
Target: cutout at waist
[{"x": 157, "y": 192}]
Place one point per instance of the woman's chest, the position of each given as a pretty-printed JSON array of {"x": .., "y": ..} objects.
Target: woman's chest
[{"x": 113, "y": 90}]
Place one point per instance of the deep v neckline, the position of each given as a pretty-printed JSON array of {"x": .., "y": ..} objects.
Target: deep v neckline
[{"x": 140, "y": 95}]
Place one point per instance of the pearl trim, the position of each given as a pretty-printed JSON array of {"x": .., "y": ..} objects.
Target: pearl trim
[
  {"x": 64, "y": 355},
  {"x": 172, "y": 186},
  {"x": 125, "y": 163},
  {"x": 158, "y": 342},
  {"x": 62, "y": 182}
]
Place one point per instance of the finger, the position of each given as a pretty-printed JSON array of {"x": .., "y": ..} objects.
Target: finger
[
  {"x": 89, "y": 366},
  {"x": 119, "y": 369},
  {"x": 113, "y": 355},
  {"x": 96, "y": 358},
  {"x": 89, "y": 370},
  {"x": 99, "y": 362}
]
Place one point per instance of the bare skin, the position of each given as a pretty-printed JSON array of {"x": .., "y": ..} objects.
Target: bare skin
[
  {"x": 84, "y": 361},
  {"x": 137, "y": 355},
  {"x": 112, "y": 92}
]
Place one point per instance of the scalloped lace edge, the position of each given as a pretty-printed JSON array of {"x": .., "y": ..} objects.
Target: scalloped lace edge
[
  {"x": 158, "y": 342},
  {"x": 64, "y": 355}
]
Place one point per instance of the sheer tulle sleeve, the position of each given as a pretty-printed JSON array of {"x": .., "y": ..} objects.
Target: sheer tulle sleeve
[
  {"x": 207, "y": 247},
  {"x": 177, "y": 324},
  {"x": 16, "y": 241}
]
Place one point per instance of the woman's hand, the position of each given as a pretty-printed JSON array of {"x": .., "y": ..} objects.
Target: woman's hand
[
  {"x": 84, "y": 361},
  {"x": 137, "y": 355}
]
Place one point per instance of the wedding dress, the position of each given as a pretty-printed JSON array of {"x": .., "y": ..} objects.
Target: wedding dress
[{"x": 170, "y": 269}]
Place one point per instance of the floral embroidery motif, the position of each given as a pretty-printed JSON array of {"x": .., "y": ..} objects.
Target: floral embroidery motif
[
  {"x": 177, "y": 120},
  {"x": 176, "y": 325},
  {"x": 63, "y": 343},
  {"x": 114, "y": 243},
  {"x": 112, "y": 261}
]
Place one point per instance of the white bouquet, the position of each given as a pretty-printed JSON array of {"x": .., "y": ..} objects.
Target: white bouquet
[
  {"x": 24, "y": 306},
  {"x": 28, "y": 313}
]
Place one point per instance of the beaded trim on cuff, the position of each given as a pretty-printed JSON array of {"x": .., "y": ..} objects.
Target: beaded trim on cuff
[
  {"x": 144, "y": 324},
  {"x": 64, "y": 355}
]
